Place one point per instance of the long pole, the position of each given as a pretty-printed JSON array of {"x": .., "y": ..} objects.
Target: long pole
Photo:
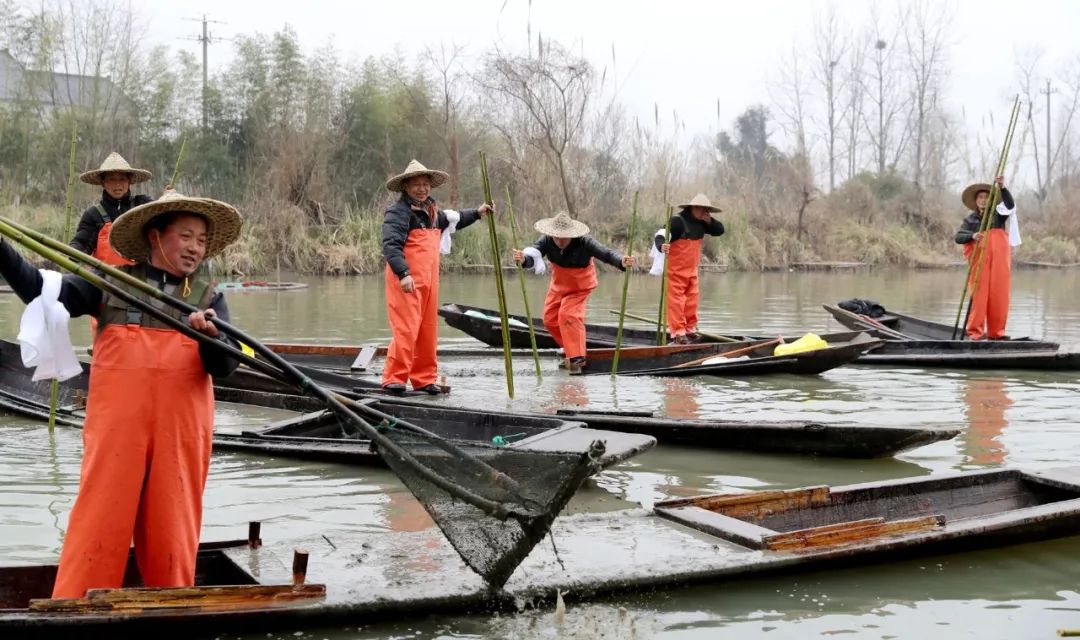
[
  {"x": 54, "y": 389},
  {"x": 524, "y": 292},
  {"x": 625, "y": 286},
  {"x": 661, "y": 320},
  {"x": 497, "y": 264},
  {"x": 179, "y": 161},
  {"x": 979, "y": 252}
]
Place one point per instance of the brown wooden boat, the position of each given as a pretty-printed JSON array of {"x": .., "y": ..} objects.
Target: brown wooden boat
[{"x": 704, "y": 539}]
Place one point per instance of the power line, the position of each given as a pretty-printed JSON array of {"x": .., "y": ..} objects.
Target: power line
[{"x": 205, "y": 39}]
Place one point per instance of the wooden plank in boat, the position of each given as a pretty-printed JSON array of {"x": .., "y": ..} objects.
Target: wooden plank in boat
[
  {"x": 136, "y": 600},
  {"x": 849, "y": 532}
]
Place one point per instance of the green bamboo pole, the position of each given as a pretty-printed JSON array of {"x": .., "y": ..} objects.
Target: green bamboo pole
[
  {"x": 524, "y": 293},
  {"x": 54, "y": 389},
  {"x": 179, "y": 160},
  {"x": 978, "y": 254},
  {"x": 661, "y": 320},
  {"x": 497, "y": 264},
  {"x": 625, "y": 286},
  {"x": 271, "y": 363}
]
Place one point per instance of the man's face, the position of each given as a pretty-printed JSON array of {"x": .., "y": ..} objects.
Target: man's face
[
  {"x": 562, "y": 243},
  {"x": 116, "y": 183},
  {"x": 418, "y": 188},
  {"x": 701, "y": 213},
  {"x": 180, "y": 248},
  {"x": 981, "y": 199}
]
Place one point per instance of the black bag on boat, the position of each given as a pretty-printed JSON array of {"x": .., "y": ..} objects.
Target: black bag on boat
[{"x": 863, "y": 307}]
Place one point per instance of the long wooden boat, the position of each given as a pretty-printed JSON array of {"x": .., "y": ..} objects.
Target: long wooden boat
[
  {"x": 484, "y": 325},
  {"x": 927, "y": 348},
  {"x": 319, "y": 435},
  {"x": 360, "y": 578},
  {"x": 784, "y": 436},
  {"x": 357, "y": 358},
  {"x": 750, "y": 358}
]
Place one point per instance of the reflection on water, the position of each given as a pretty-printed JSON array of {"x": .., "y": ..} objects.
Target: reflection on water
[{"x": 1018, "y": 418}]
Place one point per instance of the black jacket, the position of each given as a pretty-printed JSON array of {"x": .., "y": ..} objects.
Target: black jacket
[
  {"x": 81, "y": 298},
  {"x": 90, "y": 224},
  {"x": 578, "y": 254},
  {"x": 402, "y": 217},
  {"x": 685, "y": 226},
  {"x": 973, "y": 222}
]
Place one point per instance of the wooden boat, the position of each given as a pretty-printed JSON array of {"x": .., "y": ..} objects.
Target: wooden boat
[
  {"x": 785, "y": 436},
  {"x": 729, "y": 359},
  {"x": 357, "y": 358},
  {"x": 703, "y": 539},
  {"x": 245, "y": 286},
  {"x": 319, "y": 435},
  {"x": 916, "y": 342},
  {"x": 484, "y": 325}
]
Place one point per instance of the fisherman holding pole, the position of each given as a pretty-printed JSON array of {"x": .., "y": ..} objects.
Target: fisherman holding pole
[
  {"x": 150, "y": 410},
  {"x": 566, "y": 244},
  {"x": 988, "y": 248},
  {"x": 414, "y": 232},
  {"x": 683, "y": 249}
]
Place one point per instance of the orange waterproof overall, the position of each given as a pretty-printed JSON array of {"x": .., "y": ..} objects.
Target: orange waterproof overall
[
  {"x": 146, "y": 453},
  {"x": 682, "y": 286},
  {"x": 103, "y": 251},
  {"x": 414, "y": 319},
  {"x": 990, "y": 298},
  {"x": 564, "y": 306}
]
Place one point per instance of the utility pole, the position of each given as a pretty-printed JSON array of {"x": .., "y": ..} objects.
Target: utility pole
[
  {"x": 205, "y": 39},
  {"x": 1047, "y": 91}
]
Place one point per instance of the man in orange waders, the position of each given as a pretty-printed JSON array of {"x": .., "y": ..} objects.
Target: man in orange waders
[
  {"x": 414, "y": 232},
  {"x": 688, "y": 228},
  {"x": 573, "y": 277},
  {"x": 990, "y": 275},
  {"x": 150, "y": 409},
  {"x": 115, "y": 177}
]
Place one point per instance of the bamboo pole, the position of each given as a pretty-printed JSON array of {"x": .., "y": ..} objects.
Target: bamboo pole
[
  {"x": 715, "y": 337},
  {"x": 179, "y": 160},
  {"x": 661, "y": 320},
  {"x": 524, "y": 292},
  {"x": 978, "y": 254},
  {"x": 54, "y": 389},
  {"x": 625, "y": 286},
  {"x": 500, "y": 290}
]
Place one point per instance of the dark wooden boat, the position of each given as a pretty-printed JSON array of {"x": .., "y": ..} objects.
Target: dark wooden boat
[
  {"x": 751, "y": 358},
  {"x": 483, "y": 324},
  {"x": 319, "y": 435},
  {"x": 784, "y": 436},
  {"x": 703, "y": 539},
  {"x": 917, "y": 346},
  {"x": 357, "y": 358},
  {"x": 242, "y": 286}
]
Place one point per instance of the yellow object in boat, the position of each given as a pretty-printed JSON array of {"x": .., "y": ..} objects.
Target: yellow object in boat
[{"x": 809, "y": 342}]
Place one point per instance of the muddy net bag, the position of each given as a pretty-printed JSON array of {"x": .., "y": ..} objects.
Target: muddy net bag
[{"x": 493, "y": 504}]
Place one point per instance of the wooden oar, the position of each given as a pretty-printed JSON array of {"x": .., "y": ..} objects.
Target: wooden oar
[
  {"x": 524, "y": 291},
  {"x": 661, "y": 320},
  {"x": 878, "y": 326},
  {"x": 715, "y": 337},
  {"x": 625, "y": 286},
  {"x": 496, "y": 260},
  {"x": 54, "y": 391},
  {"x": 978, "y": 254},
  {"x": 731, "y": 354}
]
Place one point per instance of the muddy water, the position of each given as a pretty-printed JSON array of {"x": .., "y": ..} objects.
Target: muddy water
[{"x": 1016, "y": 418}]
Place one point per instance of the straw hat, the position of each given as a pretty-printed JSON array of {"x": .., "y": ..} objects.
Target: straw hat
[
  {"x": 968, "y": 196},
  {"x": 222, "y": 224},
  {"x": 701, "y": 200},
  {"x": 115, "y": 163},
  {"x": 561, "y": 226},
  {"x": 397, "y": 183}
]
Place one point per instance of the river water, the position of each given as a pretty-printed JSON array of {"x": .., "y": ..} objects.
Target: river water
[{"x": 1010, "y": 418}]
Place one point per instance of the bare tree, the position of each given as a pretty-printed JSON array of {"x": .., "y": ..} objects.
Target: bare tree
[
  {"x": 554, "y": 88},
  {"x": 853, "y": 110},
  {"x": 829, "y": 49},
  {"x": 790, "y": 99},
  {"x": 882, "y": 85},
  {"x": 925, "y": 32}
]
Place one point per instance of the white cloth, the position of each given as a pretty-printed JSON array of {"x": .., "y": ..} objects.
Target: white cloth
[
  {"x": 43, "y": 333},
  {"x": 656, "y": 255},
  {"x": 539, "y": 268},
  {"x": 1012, "y": 224},
  {"x": 446, "y": 241}
]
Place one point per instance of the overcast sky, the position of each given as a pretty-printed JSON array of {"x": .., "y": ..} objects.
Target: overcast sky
[{"x": 680, "y": 54}]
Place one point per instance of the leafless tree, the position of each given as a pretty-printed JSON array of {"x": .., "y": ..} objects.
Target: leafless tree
[
  {"x": 883, "y": 87},
  {"x": 830, "y": 47},
  {"x": 554, "y": 88},
  {"x": 853, "y": 110},
  {"x": 790, "y": 98}
]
